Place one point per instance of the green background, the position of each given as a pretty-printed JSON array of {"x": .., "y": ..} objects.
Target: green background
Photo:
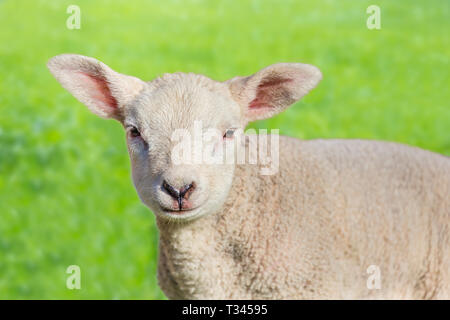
[{"x": 66, "y": 195}]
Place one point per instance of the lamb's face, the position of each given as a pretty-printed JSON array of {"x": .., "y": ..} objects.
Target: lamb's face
[
  {"x": 172, "y": 127},
  {"x": 174, "y": 174}
]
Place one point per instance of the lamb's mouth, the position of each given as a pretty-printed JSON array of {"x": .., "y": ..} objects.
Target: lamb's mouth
[
  {"x": 179, "y": 215},
  {"x": 177, "y": 211},
  {"x": 183, "y": 213}
]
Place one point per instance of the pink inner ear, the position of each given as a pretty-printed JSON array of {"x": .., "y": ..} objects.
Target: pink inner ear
[
  {"x": 98, "y": 89},
  {"x": 268, "y": 92}
]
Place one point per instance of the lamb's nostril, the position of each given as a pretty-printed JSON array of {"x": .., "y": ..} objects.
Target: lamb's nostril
[
  {"x": 186, "y": 191},
  {"x": 174, "y": 193}
]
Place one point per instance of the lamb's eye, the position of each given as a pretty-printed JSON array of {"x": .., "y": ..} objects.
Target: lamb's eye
[
  {"x": 229, "y": 133},
  {"x": 134, "y": 133}
]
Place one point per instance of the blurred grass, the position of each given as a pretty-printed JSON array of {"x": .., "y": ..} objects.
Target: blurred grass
[{"x": 65, "y": 192}]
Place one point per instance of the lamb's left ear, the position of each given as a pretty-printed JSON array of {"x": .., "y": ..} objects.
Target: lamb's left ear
[
  {"x": 93, "y": 83},
  {"x": 273, "y": 89}
]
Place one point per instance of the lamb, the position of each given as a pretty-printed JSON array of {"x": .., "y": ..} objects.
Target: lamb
[{"x": 311, "y": 230}]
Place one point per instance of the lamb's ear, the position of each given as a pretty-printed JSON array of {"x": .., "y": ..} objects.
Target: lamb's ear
[
  {"x": 273, "y": 89},
  {"x": 93, "y": 83}
]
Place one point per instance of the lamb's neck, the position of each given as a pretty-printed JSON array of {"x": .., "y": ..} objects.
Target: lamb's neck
[{"x": 192, "y": 260}]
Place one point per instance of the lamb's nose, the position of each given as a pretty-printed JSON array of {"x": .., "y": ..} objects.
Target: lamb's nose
[{"x": 180, "y": 194}]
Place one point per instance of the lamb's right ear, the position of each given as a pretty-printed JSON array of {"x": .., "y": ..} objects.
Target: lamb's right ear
[
  {"x": 273, "y": 89},
  {"x": 93, "y": 83}
]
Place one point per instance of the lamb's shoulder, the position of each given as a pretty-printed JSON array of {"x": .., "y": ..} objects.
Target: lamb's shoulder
[
  {"x": 377, "y": 202},
  {"x": 336, "y": 205}
]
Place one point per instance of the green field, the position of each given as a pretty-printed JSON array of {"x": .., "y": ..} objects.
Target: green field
[{"x": 66, "y": 195}]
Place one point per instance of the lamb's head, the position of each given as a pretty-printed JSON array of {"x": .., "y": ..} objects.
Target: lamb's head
[{"x": 178, "y": 126}]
